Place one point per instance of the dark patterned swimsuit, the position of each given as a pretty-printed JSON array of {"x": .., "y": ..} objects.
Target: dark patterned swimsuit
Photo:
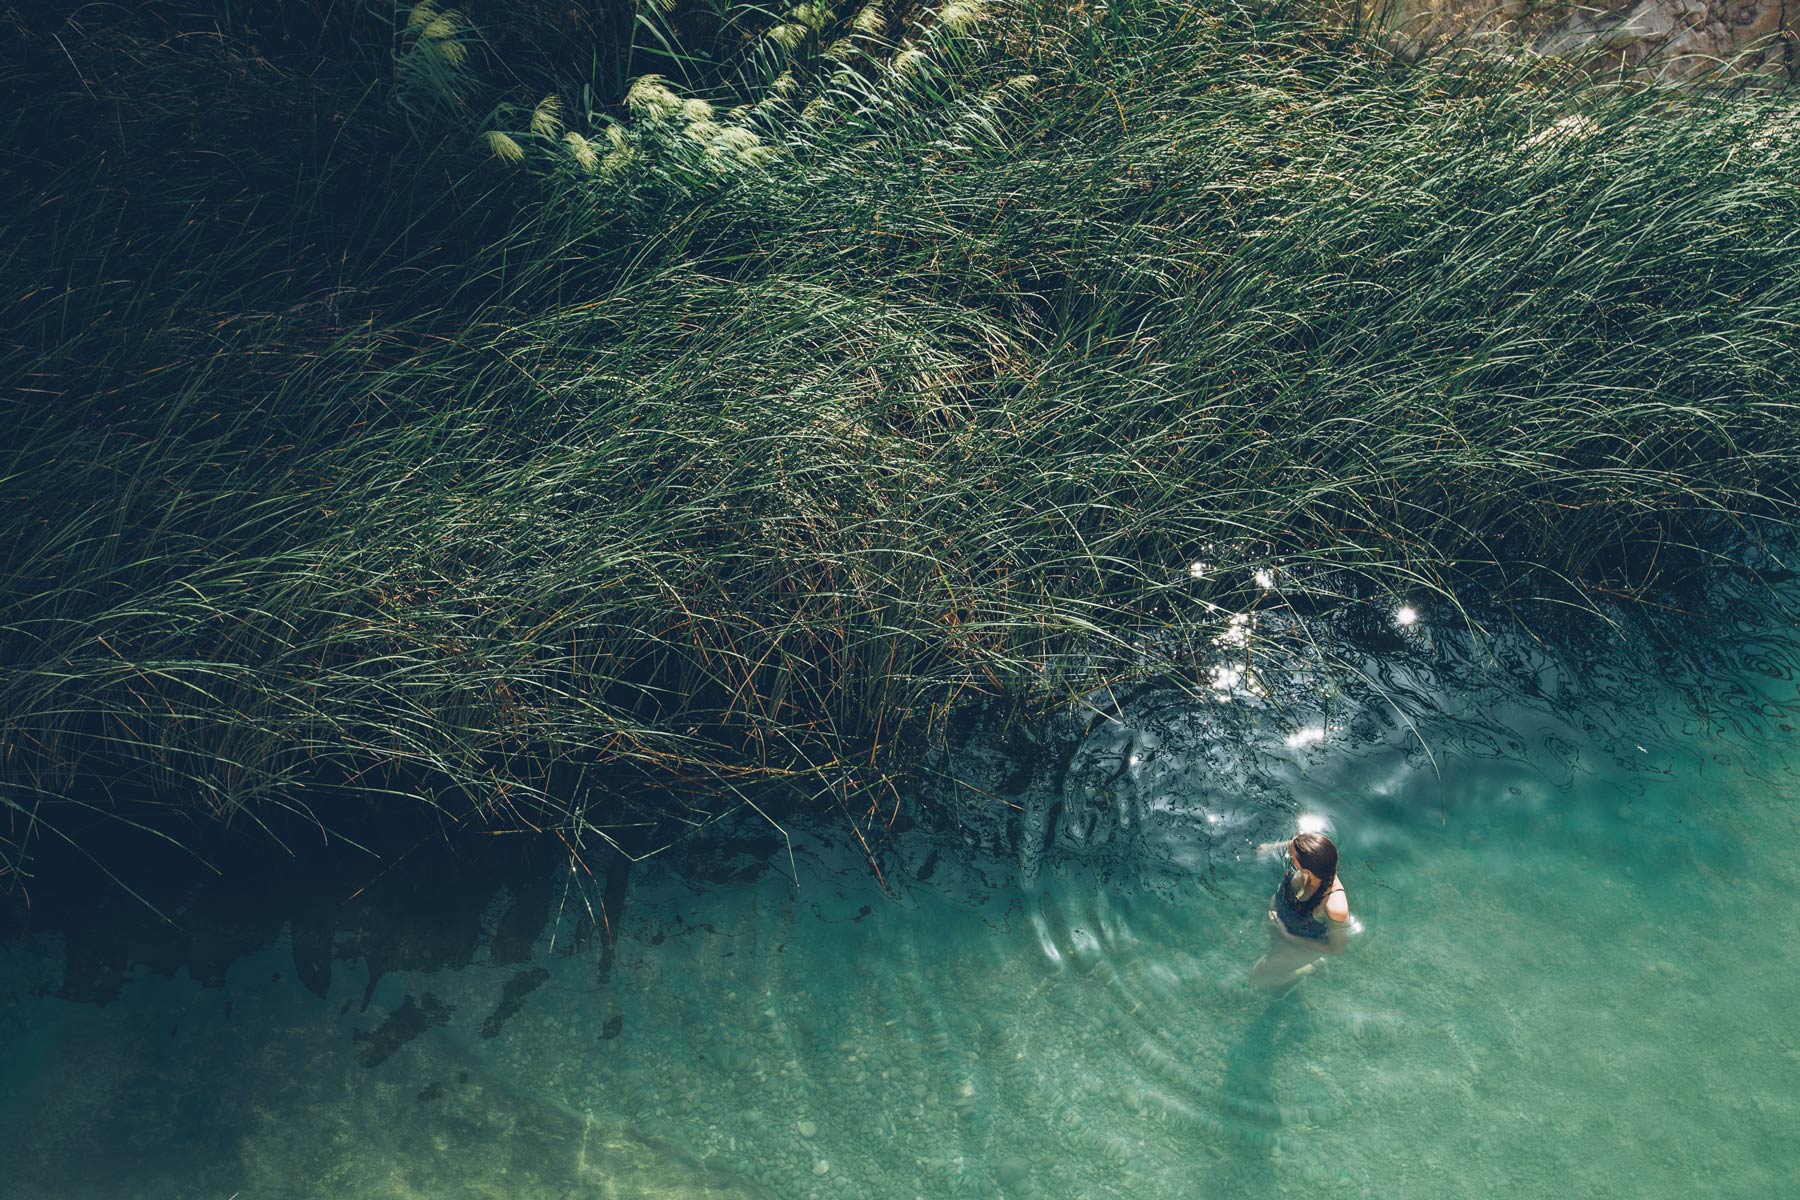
[{"x": 1296, "y": 916}]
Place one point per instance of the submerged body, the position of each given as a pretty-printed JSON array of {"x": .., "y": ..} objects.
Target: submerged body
[{"x": 1309, "y": 914}]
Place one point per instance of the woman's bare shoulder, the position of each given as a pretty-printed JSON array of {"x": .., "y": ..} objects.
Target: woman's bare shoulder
[{"x": 1337, "y": 904}]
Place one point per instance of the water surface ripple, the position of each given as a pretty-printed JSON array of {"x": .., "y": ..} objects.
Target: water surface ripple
[{"x": 1575, "y": 951}]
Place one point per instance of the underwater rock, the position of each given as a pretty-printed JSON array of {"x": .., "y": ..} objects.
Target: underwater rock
[
  {"x": 401, "y": 1026},
  {"x": 512, "y": 999}
]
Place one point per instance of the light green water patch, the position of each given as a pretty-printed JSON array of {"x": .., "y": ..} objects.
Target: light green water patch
[
  {"x": 1573, "y": 983},
  {"x": 1571, "y": 977}
]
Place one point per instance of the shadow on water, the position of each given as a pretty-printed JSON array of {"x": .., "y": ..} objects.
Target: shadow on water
[{"x": 1253, "y": 1112}]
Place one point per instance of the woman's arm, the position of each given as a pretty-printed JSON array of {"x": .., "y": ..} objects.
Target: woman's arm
[
  {"x": 1337, "y": 922},
  {"x": 1337, "y": 934}
]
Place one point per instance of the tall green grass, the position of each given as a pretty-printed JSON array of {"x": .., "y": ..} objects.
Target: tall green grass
[{"x": 401, "y": 434}]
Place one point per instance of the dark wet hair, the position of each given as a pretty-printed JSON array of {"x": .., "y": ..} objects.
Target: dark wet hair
[{"x": 1318, "y": 855}]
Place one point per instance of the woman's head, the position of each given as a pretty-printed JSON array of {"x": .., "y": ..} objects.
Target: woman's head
[{"x": 1315, "y": 852}]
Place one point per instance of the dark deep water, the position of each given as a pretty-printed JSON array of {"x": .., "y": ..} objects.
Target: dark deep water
[{"x": 1572, "y": 976}]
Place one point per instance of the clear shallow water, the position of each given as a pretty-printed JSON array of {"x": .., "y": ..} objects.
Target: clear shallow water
[{"x": 1574, "y": 975}]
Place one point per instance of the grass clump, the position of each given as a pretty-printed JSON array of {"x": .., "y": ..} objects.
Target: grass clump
[{"x": 569, "y": 465}]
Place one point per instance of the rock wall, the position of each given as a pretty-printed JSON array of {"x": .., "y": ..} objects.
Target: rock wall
[{"x": 1675, "y": 39}]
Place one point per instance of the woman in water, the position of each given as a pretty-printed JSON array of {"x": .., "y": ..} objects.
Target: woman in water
[{"x": 1310, "y": 916}]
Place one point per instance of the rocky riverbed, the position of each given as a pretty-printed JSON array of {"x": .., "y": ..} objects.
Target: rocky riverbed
[{"x": 1676, "y": 39}]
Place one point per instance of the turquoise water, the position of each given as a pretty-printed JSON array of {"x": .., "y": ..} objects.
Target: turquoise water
[{"x": 1572, "y": 976}]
